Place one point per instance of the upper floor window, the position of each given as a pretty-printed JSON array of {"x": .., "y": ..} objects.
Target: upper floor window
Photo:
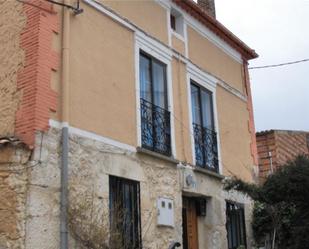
[
  {"x": 177, "y": 22},
  {"x": 235, "y": 225},
  {"x": 205, "y": 137},
  {"x": 173, "y": 22},
  {"x": 155, "y": 117}
]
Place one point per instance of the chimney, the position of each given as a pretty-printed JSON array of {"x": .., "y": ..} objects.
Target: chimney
[{"x": 208, "y": 6}]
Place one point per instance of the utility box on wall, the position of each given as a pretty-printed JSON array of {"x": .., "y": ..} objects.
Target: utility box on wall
[{"x": 165, "y": 208}]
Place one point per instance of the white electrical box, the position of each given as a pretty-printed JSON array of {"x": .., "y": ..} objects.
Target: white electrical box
[{"x": 165, "y": 212}]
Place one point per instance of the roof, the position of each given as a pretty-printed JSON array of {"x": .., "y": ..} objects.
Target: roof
[
  {"x": 213, "y": 24},
  {"x": 261, "y": 133}
]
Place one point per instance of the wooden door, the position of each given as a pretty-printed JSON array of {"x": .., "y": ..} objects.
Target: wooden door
[{"x": 190, "y": 232}]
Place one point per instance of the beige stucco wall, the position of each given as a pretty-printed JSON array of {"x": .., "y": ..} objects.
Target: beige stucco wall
[
  {"x": 178, "y": 45},
  {"x": 148, "y": 15},
  {"x": 102, "y": 95},
  {"x": 235, "y": 138},
  {"x": 12, "y": 57},
  {"x": 212, "y": 59},
  {"x": 55, "y": 81},
  {"x": 181, "y": 112},
  {"x": 102, "y": 77}
]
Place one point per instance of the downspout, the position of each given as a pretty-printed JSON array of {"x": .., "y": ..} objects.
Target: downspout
[{"x": 65, "y": 127}]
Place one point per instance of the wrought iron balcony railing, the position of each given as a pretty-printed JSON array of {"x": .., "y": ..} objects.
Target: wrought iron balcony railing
[
  {"x": 155, "y": 128},
  {"x": 206, "y": 148}
]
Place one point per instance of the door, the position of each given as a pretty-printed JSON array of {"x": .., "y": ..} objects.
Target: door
[{"x": 190, "y": 232}]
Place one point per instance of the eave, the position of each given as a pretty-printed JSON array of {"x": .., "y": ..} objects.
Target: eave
[{"x": 215, "y": 26}]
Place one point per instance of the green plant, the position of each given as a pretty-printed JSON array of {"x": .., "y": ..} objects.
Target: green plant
[{"x": 281, "y": 208}]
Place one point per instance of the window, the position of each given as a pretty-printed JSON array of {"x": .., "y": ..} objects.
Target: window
[
  {"x": 155, "y": 118},
  {"x": 205, "y": 137},
  {"x": 173, "y": 22},
  {"x": 235, "y": 225},
  {"x": 125, "y": 229},
  {"x": 176, "y": 22}
]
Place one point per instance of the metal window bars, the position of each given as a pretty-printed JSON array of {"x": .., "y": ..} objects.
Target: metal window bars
[
  {"x": 155, "y": 128},
  {"x": 206, "y": 147}
]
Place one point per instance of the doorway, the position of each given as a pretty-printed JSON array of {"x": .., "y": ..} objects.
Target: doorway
[{"x": 189, "y": 225}]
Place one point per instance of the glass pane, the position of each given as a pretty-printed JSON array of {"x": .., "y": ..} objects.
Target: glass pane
[
  {"x": 158, "y": 74},
  {"x": 144, "y": 77},
  {"x": 196, "y": 110},
  {"x": 207, "y": 109}
]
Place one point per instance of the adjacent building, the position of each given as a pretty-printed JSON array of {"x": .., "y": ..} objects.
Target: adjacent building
[
  {"x": 276, "y": 147},
  {"x": 119, "y": 122}
]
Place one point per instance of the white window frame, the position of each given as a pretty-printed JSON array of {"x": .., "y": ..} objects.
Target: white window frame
[
  {"x": 161, "y": 53},
  {"x": 208, "y": 82}
]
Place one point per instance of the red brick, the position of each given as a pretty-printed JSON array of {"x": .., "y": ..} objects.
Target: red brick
[{"x": 34, "y": 79}]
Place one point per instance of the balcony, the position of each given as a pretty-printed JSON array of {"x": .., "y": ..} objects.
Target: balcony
[
  {"x": 155, "y": 128},
  {"x": 206, "y": 148}
]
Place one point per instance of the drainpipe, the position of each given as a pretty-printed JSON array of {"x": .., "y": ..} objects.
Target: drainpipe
[{"x": 65, "y": 128}]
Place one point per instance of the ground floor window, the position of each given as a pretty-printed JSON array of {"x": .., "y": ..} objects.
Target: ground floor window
[
  {"x": 125, "y": 228},
  {"x": 235, "y": 225}
]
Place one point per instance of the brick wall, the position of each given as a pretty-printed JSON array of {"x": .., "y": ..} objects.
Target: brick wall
[
  {"x": 276, "y": 147},
  {"x": 34, "y": 79}
]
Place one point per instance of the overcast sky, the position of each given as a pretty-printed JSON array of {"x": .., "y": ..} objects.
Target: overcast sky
[{"x": 279, "y": 32}]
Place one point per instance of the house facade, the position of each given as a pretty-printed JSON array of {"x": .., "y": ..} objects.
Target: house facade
[
  {"x": 277, "y": 147},
  {"x": 119, "y": 122}
]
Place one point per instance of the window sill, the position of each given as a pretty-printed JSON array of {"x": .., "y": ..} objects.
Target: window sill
[
  {"x": 157, "y": 155},
  {"x": 209, "y": 173},
  {"x": 178, "y": 35}
]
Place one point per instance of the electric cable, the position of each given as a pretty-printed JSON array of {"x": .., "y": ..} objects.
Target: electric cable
[{"x": 280, "y": 65}]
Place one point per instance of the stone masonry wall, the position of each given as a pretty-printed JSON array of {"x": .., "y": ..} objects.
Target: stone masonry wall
[
  {"x": 90, "y": 164},
  {"x": 13, "y": 195},
  {"x": 43, "y": 222}
]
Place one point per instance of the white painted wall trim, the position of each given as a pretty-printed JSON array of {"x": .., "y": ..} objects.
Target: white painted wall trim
[
  {"x": 178, "y": 36},
  {"x": 190, "y": 118},
  {"x": 137, "y": 93},
  {"x": 204, "y": 79},
  {"x": 91, "y": 135},
  {"x": 169, "y": 29},
  {"x": 105, "y": 10},
  {"x": 185, "y": 31},
  {"x": 153, "y": 47},
  {"x": 209, "y": 82},
  {"x": 212, "y": 37},
  {"x": 217, "y": 128}
]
